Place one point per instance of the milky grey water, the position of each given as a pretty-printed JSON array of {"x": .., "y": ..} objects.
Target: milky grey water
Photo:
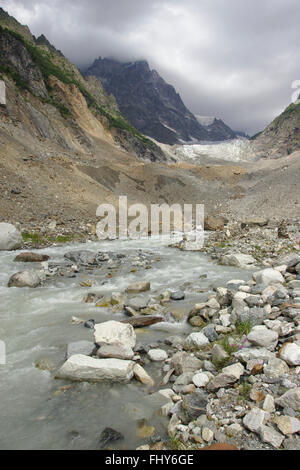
[{"x": 35, "y": 324}]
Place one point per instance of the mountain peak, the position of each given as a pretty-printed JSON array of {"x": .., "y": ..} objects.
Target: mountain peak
[
  {"x": 151, "y": 105},
  {"x": 9, "y": 22}
]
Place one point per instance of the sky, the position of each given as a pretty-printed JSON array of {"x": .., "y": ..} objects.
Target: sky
[{"x": 233, "y": 59}]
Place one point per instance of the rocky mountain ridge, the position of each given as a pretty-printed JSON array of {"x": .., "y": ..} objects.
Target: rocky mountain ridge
[
  {"x": 216, "y": 128},
  {"x": 151, "y": 105}
]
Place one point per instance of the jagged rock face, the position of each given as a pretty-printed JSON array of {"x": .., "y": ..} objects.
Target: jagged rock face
[
  {"x": 150, "y": 104},
  {"x": 15, "y": 54}
]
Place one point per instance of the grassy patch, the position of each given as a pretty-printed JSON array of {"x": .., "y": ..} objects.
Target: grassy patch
[
  {"x": 244, "y": 390},
  {"x": 37, "y": 239},
  {"x": 243, "y": 328}
]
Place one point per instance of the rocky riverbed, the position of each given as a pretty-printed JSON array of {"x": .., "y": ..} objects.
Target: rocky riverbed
[{"x": 135, "y": 344}]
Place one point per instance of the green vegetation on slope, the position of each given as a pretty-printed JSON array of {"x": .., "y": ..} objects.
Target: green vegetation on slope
[{"x": 43, "y": 60}]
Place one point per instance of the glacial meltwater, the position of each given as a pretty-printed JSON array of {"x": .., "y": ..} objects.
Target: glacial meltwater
[{"x": 41, "y": 412}]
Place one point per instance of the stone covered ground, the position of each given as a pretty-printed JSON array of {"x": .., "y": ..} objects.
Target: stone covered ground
[{"x": 236, "y": 378}]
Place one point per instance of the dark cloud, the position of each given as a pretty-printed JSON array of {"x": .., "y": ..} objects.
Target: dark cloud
[{"x": 234, "y": 59}]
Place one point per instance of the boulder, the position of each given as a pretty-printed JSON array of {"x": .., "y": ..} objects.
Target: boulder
[
  {"x": 194, "y": 405},
  {"x": 183, "y": 362},
  {"x": 196, "y": 340},
  {"x": 27, "y": 279},
  {"x": 113, "y": 332},
  {"x": 254, "y": 420},
  {"x": 268, "y": 277},
  {"x": 290, "y": 353},
  {"x": 270, "y": 436},
  {"x": 261, "y": 336},
  {"x": 157, "y": 355},
  {"x": 10, "y": 237},
  {"x": 115, "y": 350},
  {"x": 31, "y": 258},
  {"x": 137, "y": 303},
  {"x": 275, "y": 368},
  {"x": 247, "y": 354},
  {"x": 81, "y": 257},
  {"x": 287, "y": 424},
  {"x": 290, "y": 399},
  {"x": 138, "y": 287},
  {"x": 239, "y": 260},
  {"x": 84, "y": 368}
]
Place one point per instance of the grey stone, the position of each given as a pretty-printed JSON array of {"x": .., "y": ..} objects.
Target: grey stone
[
  {"x": 194, "y": 405},
  {"x": 27, "y": 279},
  {"x": 275, "y": 368},
  {"x": 84, "y": 368},
  {"x": 10, "y": 237},
  {"x": 157, "y": 355},
  {"x": 270, "y": 436},
  {"x": 268, "y": 277},
  {"x": 179, "y": 295},
  {"x": 254, "y": 420},
  {"x": 115, "y": 332},
  {"x": 117, "y": 351},
  {"x": 239, "y": 260},
  {"x": 291, "y": 399},
  {"x": 185, "y": 362},
  {"x": 196, "y": 340},
  {"x": 137, "y": 303},
  {"x": 263, "y": 337},
  {"x": 81, "y": 257}
]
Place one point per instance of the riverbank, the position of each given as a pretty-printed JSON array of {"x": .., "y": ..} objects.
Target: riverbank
[{"x": 223, "y": 357}]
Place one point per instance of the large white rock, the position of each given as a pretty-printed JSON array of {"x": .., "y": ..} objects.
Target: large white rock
[
  {"x": 235, "y": 370},
  {"x": 270, "y": 436},
  {"x": 290, "y": 399},
  {"x": 201, "y": 379},
  {"x": 196, "y": 340},
  {"x": 290, "y": 353},
  {"x": 10, "y": 237},
  {"x": 239, "y": 260},
  {"x": 84, "y": 368},
  {"x": 247, "y": 354},
  {"x": 268, "y": 276},
  {"x": 254, "y": 420},
  {"x": 157, "y": 355},
  {"x": 115, "y": 332},
  {"x": 27, "y": 279},
  {"x": 261, "y": 336}
]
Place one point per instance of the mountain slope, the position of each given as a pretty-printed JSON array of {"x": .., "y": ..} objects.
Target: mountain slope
[
  {"x": 31, "y": 67},
  {"x": 282, "y": 136},
  {"x": 150, "y": 104}
]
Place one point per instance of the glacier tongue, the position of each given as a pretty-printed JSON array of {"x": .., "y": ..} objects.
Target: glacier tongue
[{"x": 237, "y": 150}]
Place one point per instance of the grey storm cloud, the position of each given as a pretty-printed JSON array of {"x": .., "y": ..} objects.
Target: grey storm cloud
[{"x": 233, "y": 59}]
